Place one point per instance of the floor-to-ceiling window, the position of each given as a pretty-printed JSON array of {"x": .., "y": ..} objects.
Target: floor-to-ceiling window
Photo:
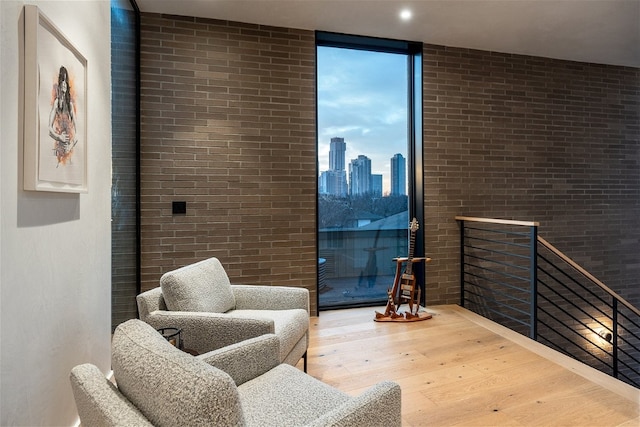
[
  {"x": 367, "y": 193},
  {"x": 124, "y": 161}
]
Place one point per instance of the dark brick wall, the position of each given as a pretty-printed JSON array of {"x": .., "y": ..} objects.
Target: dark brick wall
[
  {"x": 228, "y": 125},
  {"x": 533, "y": 139}
]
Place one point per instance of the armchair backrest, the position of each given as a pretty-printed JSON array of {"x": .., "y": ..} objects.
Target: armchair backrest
[
  {"x": 168, "y": 386},
  {"x": 203, "y": 287},
  {"x": 99, "y": 402}
]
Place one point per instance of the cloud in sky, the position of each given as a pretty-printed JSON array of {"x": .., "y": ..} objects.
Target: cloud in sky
[{"x": 362, "y": 97}]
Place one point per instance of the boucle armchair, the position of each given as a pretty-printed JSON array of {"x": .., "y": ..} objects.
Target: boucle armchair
[
  {"x": 212, "y": 313},
  {"x": 239, "y": 385}
]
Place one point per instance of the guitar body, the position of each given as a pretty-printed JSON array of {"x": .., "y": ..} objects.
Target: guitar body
[{"x": 404, "y": 289}]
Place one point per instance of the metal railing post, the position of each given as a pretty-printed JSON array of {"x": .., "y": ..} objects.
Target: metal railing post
[
  {"x": 614, "y": 337},
  {"x": 534, "y": 283},
  {"x": 461, "y": 263}
]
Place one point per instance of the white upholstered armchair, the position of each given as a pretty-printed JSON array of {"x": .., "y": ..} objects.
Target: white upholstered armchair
[
  {"x": 239, "y": 385},
  {"x": 212, "y": 313}
]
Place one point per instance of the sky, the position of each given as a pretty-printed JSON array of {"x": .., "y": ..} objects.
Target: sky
[{"x": 362, "y": 97}]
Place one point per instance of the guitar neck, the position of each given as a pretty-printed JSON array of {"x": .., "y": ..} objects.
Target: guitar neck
[{"x": 412, "y": 242}]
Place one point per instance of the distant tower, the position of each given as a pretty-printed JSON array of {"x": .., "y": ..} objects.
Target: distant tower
[
  {"x": 376, "y": 185},
  {"x": 337, "y": 153},
  {"x": 398, "y": 175},
  {"x": 360, "y": 176},
  {"x": 333, "y": 182}
]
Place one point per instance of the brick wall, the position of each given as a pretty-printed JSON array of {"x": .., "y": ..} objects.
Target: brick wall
[
  {"x": 533, "y": 139},
  {"x": 228, "y": 125}
]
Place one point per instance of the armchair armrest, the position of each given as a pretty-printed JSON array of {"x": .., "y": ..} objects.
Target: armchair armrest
[
  {"x": 150, "y": 301},
  {"x": 264, "y": 297},
  {"x": 380, "y": 405},
  {"x": 204, "y": 332},
  {"x": 247, "y": 359}
]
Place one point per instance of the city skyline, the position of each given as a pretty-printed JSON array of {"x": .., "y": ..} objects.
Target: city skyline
[
  {"x": 362, "y": 97},
  {"x": 359, "y": 178}
]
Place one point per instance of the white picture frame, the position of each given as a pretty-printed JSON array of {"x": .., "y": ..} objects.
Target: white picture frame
[{"x": 55, "y": 108}]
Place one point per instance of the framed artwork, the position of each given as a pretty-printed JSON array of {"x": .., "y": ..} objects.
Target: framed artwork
[{"x": 55, "y": 108}]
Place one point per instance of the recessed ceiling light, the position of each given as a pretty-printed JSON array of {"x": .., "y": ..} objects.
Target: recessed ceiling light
[{"x": 405, "y": 14}]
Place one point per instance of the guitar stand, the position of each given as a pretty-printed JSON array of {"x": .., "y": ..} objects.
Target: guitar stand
[{"x": 403, "y": 292}]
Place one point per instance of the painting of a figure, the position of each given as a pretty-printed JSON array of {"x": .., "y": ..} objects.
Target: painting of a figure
[
  {"x": 55, "y": 149},
  {"x": 62, "y": 127},
  {"x": 61, "y": 101}
]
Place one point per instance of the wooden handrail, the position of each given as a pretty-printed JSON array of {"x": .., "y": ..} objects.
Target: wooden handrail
[
  {"x": 498, "y": 221},
  {"x": 588, "y": 275}
]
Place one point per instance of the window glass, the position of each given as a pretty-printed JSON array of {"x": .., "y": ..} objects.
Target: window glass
[
  {"x": 362, "y": 182},
  {"x": 124, "y": 282}
]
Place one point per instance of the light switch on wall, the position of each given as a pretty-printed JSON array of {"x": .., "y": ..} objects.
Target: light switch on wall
[{"x": 179, "y": 208}]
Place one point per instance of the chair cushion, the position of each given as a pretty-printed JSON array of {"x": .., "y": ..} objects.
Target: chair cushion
[
  {"x": 285, "y": 396},
  {"x": 170, "y": 387},
  {"x": 203, "y": 286},
  {"x": 290, "y": 326}
]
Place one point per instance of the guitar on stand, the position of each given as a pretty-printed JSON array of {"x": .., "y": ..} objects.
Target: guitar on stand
[{"x": 404, "y": 290}]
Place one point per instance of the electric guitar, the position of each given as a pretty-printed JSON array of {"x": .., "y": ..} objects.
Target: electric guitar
[
  {"x": 404, "y": 283},
  {"x": 407, "y": 283}
]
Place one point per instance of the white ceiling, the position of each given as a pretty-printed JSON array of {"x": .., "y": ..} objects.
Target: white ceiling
[{"x": 598, "y": 31}]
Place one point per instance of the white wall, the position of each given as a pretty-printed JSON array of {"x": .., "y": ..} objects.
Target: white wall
[{"x": 55, "y": 248}]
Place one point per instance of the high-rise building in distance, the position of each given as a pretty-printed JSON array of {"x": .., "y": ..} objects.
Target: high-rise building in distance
[
  {"x": 376, "y": 185},
  {"x": 334, "y": 181},
  {"x": 398, "y": 175},
  {"x": 360, "y": 176},
  {"x": 337, "y": 154}
]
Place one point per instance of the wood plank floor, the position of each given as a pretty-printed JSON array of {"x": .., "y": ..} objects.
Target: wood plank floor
[{"x": 458, "y": 369}]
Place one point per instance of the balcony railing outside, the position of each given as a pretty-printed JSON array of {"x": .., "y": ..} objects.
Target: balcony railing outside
[{"x": 514, "y": 277}]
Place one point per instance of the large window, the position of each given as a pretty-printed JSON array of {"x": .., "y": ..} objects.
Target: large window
[
  {"x": 367, "y": 193},
  {"x": 124, "y": 162}
]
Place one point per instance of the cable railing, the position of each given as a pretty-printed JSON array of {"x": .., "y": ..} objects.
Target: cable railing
[{"x": 516, "y": 278}]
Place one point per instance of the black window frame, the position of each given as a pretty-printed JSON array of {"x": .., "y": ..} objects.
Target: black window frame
[{"x": 415, "y": 161}]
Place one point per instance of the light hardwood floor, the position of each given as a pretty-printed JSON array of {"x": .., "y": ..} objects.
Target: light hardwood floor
[{"x": 458, "y": 369}]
